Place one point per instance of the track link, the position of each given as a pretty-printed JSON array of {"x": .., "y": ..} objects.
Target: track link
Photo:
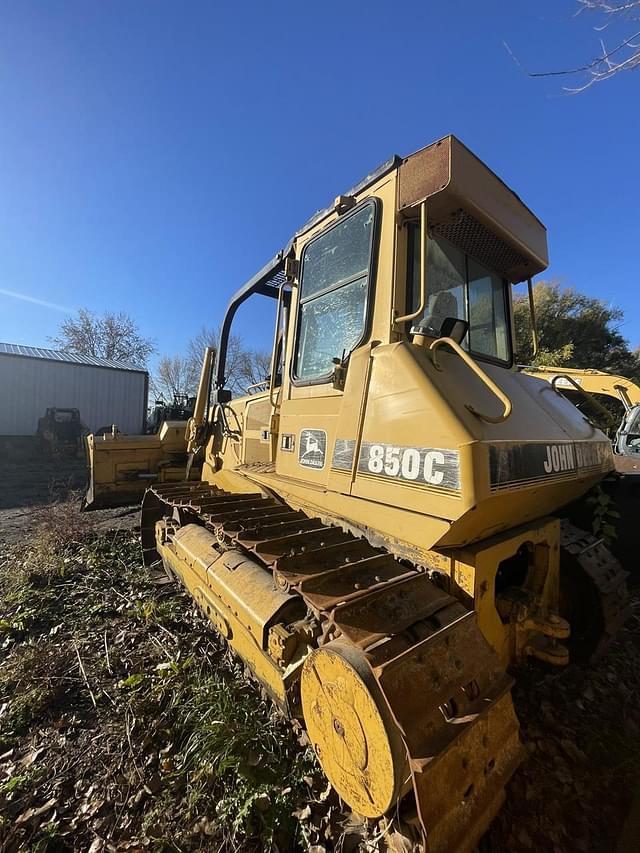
[
  {"x": 597, "y": 582},
  {"x": 441, "y": 681}
]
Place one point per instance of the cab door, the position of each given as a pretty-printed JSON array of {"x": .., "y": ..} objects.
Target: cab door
[{"x": 329, "y": 323}]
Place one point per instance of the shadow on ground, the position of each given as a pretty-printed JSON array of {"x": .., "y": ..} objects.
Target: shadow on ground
[{"x": 29, "y": 486}]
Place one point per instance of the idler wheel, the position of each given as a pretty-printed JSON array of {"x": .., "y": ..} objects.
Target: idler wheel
[{"x": 353, "y": 733}]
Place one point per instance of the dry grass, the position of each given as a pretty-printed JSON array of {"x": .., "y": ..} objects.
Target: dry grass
[{"x": 123, "y": 720}]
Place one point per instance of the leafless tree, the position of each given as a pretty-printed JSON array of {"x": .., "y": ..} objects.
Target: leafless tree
[
  {"x": 206, "y": 337},
  {"x": 254, "y": 366},
  {"x": 112, "y": 336},
  {"x": 624, "y": 55},
  {"x": 180, "y": 374},
  {"x": 173, "y": 375}
]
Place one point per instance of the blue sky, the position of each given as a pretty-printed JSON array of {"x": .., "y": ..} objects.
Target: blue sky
[{"x": 153, "y": 155}]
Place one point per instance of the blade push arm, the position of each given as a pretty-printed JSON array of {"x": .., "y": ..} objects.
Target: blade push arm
[{"x": 197, "y": 422}]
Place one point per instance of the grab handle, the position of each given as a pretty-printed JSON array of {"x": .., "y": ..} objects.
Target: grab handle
[
  {"x": 482, "y": 376},
  {"x": 587, "y": 396},
  {"x": 423, "y": 270}
]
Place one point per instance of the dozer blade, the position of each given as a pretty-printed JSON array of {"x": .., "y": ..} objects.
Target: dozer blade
[
  {"x": 120, "y": 467},
  {"x": 453, "y": 705},
  {"x": 404, "y": 701}
]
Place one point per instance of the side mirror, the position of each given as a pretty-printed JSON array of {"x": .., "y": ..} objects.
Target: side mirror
[
  {"x": 451, "y": 327},
  {"x": 339, "y": 375},
  {"x": 454, "y": 328}
]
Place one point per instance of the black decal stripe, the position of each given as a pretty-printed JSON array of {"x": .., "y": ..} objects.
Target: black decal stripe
[
  {"x": 567, "y": 477},
  {"x": 525, "y": 463}
]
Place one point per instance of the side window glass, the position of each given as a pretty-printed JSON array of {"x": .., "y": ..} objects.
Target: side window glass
[
  {"x": 460, "y": 287},
  {"x": 333, "y": 294},
  {"x": 633, "y": 430},
  {"x": 487, "y": 314},
  {"x": 446, "y": 277}
]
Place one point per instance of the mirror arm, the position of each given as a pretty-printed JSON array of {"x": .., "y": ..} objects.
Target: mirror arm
[
  {"x": 423, "y": 269},
  {"x": 532, "y": 311}
]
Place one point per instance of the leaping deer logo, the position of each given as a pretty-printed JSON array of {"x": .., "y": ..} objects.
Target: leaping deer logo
[
  {"x": 312, "y": 446},
  {"x": 313, "y": 443}
]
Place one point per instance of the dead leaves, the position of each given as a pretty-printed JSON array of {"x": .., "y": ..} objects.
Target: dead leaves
[
  {"x": 33, "y": 813},
  {"x": 581, "y": 728}
]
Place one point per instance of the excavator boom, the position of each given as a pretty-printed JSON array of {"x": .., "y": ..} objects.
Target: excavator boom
[
  {"x": 590, "y": 384},
  {"x": 592, "y": 381}
]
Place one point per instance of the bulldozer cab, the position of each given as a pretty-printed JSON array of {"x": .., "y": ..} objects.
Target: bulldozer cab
[{"x": 338, "y": 304}]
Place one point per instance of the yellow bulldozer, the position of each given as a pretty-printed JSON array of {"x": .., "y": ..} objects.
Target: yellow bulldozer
[
  {"x": 374, "y": 532},
  {"x": 120, "y": 467}
]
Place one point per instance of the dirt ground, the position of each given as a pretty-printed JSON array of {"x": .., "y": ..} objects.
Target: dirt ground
[
  {"x": 124, "y": 725},
  {"x": 28, "y": 487}
]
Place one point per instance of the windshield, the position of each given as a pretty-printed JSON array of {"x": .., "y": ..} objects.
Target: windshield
[
  {"x": 460, "y": 287},
  {"x": 334, "y": 289}
]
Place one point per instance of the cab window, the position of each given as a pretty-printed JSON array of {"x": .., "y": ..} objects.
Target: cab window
[
  {"x": 460, "y": 287},
  {"x": 334, "y": 287}
]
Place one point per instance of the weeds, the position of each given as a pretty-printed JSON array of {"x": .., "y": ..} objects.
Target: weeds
[
  {"x": 59, "y": 536},
  {"x": 605, "y": 514},
  {"x": 116, "y": 690}
]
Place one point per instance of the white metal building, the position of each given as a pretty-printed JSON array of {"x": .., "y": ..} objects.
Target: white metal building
[{"x": 34, "y": 379}]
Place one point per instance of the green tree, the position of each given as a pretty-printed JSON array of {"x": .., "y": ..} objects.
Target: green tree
[{"x": 574, "y": 330}]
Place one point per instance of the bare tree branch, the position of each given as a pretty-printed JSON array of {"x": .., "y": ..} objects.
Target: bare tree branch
[
  {"x": 180, "y": 374},
  {"x": 625, "y": 56},
  {"x": 112, "y": 336},
  {"x": 173, "y": 376},
  {"x": 628, "y": 10},
  {"x": 254, "y": 367}
]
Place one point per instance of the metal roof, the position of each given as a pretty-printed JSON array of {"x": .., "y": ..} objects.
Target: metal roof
[{"x": 69, "y": 357}]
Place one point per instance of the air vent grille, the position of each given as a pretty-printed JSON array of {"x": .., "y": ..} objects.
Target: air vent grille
[{"x": 474, "y": 238}]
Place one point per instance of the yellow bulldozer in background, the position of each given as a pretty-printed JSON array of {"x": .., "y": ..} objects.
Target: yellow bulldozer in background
[
  {"x": 120, "y": 467},
  {"x": 374, "y": 533}
]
